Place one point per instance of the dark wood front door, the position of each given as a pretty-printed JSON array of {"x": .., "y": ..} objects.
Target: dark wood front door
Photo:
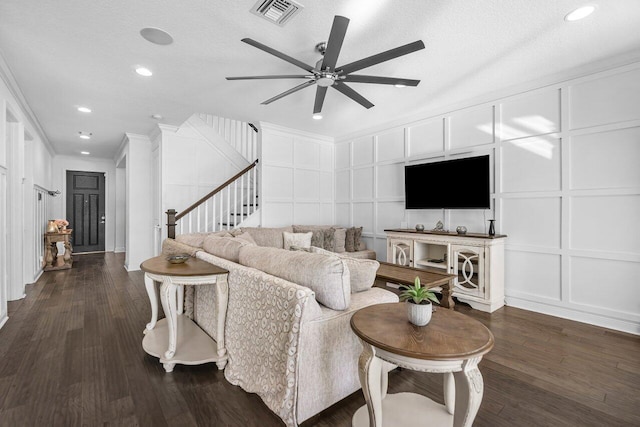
[{"x": 86, "y": 210}]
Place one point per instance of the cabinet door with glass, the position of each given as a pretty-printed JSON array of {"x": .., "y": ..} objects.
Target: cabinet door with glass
[
  {"x": 468, "y": 263},
  {"x": 400, "y": 252}
]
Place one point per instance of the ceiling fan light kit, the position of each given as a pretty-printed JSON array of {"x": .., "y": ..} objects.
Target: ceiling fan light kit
[{"x": 326, "y": 74}]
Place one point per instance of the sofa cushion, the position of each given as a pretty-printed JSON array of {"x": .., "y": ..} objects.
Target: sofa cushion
[
  {"x": 197, "y": 239},
  {"x": 301, "y": 240},
  {"x": 340, "y": 237},
  {"x": 225, "y": 247},
  {"x": 328, "y": 277},
  {"x": 264, "y": 236},
  {"x": 352, "y": 241},
  {"x": 362, "y": 271},
  {"x": 245, "y": 236}
]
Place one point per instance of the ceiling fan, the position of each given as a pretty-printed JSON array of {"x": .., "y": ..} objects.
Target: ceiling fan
[{"x": 326, "y": 74}]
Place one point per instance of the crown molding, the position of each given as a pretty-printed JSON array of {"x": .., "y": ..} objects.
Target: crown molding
[
  {"x": 9, "y": 80},
  {"x": 277, "y": 128}
]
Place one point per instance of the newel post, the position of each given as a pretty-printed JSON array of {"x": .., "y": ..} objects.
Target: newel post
[{"x": 171, "y": 223}]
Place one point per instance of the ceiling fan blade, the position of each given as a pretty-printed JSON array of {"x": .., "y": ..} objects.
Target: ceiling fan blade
[
  {"x": 353, "y": 78},
  {"x": 336, "y": 37},
  {"x": 320, "y": 94},
  {"x": 346, "y": 90},
  {"x": 289, "y": 92},
  {"x": 381, "y": 57},
  {"x": 270, "y": 77},
  {"x": 280, "y": 55}
]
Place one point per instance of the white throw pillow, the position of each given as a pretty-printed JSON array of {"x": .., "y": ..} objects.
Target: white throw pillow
[
  {"x": 362, "y": 271},
  {"x": 302, "y": 240}
]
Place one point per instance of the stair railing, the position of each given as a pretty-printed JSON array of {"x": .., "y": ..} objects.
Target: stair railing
[
  {"x": 225, "y": 207},
  {"x": 240, "y": 135}
]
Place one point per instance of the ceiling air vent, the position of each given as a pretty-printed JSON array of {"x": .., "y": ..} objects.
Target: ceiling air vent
[{"x": 276, "y": 11}]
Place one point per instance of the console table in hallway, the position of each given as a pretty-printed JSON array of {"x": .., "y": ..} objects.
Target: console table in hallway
[{"x": 51, "y": 259}]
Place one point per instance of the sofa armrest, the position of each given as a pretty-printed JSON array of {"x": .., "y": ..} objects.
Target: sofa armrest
[
  {"x": 171, "y": 247},
  {"x": 262, "y": 334}
]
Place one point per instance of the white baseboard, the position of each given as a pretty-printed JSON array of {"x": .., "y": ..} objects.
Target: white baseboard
[
  {"x": 579, "y": 316},
  {"x": 3, "y": 320},
  {"x": 119, "y": 250}
]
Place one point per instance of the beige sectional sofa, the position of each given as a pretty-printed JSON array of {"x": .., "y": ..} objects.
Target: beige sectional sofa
[{"x": 287, "y": 330}]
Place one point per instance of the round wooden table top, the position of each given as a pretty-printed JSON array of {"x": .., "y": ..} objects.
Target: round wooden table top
[
  {"x": 448, "y": 336},
  {"x": 192, "y": 267}
]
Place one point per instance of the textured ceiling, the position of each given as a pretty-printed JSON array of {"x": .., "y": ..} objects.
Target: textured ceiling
[{"x": 69, "y": 53}]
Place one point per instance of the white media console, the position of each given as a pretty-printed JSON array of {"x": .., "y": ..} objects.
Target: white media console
[{"x": 477, "y": 259}]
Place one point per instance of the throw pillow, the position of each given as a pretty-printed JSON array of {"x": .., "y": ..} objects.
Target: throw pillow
[
  {"x": 265, "y": 236},
  {"x": 327, "y": 276},
  {"x": 329, "y": 239},
  {"x": 318, "y": 234},
  {"x": 225, "y": 247},
  {"x": 362, "y": 271},
  {"x": 297, "y": 239},
  {"x": 340, "y": 237},
  {"x": 349, "y": 241},
  {"x": 357, "y": 238}
]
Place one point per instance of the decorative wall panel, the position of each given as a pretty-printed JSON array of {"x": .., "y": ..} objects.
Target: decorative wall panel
[
  {"x": 471, "y": 127},
  {"x": 363, "y": 216},
  {"x": 535, "y": 274},
  {"x": 604, "y": 100},
  {"x": 535, "y": 114},
  {"x": 531, "y": 164},
  {"x": 391, "y": 180},
  {"x": 389, "y": 215},
  {"x": 363, "y": 151},
  {"x": 306, "y": 184},
  {"x": 532, "y": 221},
  {"x": 591, "y": 278},
  {"x": 606, "y": 223},
  {"x": 606, "y": 159},
  {"x": 343, "y": 185},
  {"x": 363, "y": 183},
  {"x": 343, "y": 155},
  {"x": 427, "y": 137},
  {"x": 391, "y": 145}
]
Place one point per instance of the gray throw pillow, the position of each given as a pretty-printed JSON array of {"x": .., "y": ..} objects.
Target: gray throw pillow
[
  {"x": 340, "y": 237},
  {"x": 357, "y": 238},
  {"x": 317, "y": 239},
  {"x": 330, "y": 239}
]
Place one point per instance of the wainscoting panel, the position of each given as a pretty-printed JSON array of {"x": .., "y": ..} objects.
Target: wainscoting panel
[
  {"x": 471, "y": 127},
  {"x": 279, "y": 149},
  {"x": 531, "y": 164},
  {"x": 428, "y": 218},
  {"x": 363, "y": 216},
  {"x": 597, "y": 283},
  {"x": 306, "y": 184},
  {"x": 606, "y": 223},
  {"x": 537, "y": 113},
  {"x": 279, "y": 214},
  {"x": 277, "y": 182},
  {"x": 307, "y": 213},
  {"x": 612, "y": 98},
  {"x": 363, "y": 183},
  {"x": 390, "y": 180},
  {"x": 363, "y": 151},
  {"x": 426, "y": 137},
  {"x": 306, "y": 154},
  {"x": 533, "y": 274},
  {"x": 620, "y": 148},
  {"x": 343, "y": 156},
  {"x": 532, "y": 221},
  {"x": 343, "y": 214},
  {"x": 343, "y": 185},
  {"x": 387, "y": 215},
  {"x": 391, "y": 145}
]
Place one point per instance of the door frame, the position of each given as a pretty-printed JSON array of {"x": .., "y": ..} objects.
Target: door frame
[{"x": 109, "y": 226}]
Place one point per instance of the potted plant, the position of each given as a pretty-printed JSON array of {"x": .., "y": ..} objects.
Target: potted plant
[{"x": 418, "y": 300}]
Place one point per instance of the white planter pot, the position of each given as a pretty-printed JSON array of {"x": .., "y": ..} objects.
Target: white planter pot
[{"x": 419, "y": 314}]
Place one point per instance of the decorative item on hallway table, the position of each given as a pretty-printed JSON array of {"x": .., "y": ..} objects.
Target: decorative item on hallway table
[
  {"x": 492, "y": 227},
  {"x": 461, "y": 229},
  {"x": 418, "y": 300},
  {"x": 439, "y": 227},
  {"x": 419, "y": 227}
]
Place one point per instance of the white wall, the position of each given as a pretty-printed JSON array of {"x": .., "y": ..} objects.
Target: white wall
[
  {"x": 566, "y": 189},
  {"x": 297, "y": 177},
  {"x": 135, "y": 154},
  {"x": 62, "y": 164},
  {"x": 24, "y": 158}
]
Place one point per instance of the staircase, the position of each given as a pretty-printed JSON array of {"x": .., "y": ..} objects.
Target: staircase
[{"x": 236, "y": 200}]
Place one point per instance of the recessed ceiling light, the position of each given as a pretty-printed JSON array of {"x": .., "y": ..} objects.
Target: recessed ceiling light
[
  {"x": 144, "y": 71},
  {"x": 317, "y": 116},
  {"x": 580, "y": 13},
  {"x": 85, "y": 135},
  {"x": 400, "y": 85},
  {"x": 84, "y": 109},
  {"x": 86, "y": 153},
  {"x": 156, "y": 36},
  {"x": 156, "y": 116}
]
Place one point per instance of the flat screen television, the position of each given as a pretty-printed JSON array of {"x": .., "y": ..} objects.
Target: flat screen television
[{"x": 449, "y": 184}]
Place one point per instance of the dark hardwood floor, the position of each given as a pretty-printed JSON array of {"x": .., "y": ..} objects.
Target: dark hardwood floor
[{"x": 71, "y": 354}]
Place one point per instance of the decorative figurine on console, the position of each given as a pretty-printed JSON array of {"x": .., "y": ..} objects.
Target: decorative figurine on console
[{"x": 439, "y": 227}]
